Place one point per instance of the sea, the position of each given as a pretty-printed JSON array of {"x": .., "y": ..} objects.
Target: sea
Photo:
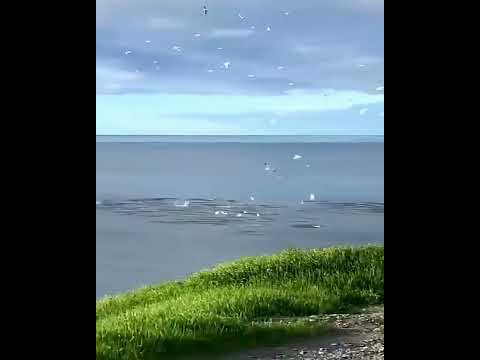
[{"x": 170, "y": 206}]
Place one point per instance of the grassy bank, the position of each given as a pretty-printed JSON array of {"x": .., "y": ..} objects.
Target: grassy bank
[{"x": 231, "y": 304}]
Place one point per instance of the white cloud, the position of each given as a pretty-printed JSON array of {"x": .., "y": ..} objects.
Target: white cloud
[
  {"x": 163, "y": 23},
  {"x": 213, "y": 105},
  {"x": 112, "y": 74},
  {"x": 369, "y": 6},
  {"x": 231, "y": 33},
  {"x": 368, "y": 60},
  {"x": 109, "y": 79}
]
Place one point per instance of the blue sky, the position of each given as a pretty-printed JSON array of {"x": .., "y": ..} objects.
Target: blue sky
[{"x": 319, "y": 70}]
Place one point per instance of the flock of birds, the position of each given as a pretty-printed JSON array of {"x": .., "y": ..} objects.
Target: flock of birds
[
  {"x": 227, "y": 64},
  {"x": 269, "y": 170}
]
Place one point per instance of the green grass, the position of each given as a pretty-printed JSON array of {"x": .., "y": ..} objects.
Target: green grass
[{"x": 231, "y": 305}]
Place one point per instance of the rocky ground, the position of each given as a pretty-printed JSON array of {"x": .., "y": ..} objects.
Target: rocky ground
[{"x": 358, "y": 336}]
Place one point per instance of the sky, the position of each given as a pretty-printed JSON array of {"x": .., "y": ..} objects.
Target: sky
[{"x": 294, "y": 67}]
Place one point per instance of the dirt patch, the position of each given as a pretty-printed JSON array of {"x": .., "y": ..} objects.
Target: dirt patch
[{"x": 352, "y": 336}]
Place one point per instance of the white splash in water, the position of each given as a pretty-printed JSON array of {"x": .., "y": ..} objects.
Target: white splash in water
[
  {"x": 312, "y": 197},
  {"x": 185, "y": 204}
]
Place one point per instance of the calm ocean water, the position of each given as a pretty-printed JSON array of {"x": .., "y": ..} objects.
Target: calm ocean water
[{"x": 168, "y": 206}]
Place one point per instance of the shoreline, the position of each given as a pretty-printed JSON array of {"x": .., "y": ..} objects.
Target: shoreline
[{"x": 243, "y": 305}]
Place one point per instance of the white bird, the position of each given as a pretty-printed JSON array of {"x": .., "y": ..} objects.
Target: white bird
[
  {"x": 239, "y": 215},
  {"x": 155, "y": 61},
  {"x": 269, "y": 28},
  {"x": 210, "y": 70},
  {"x": 380, "y": 88},
  {"x": 177, "y": 48},
  {"x": 226, "y": 65},
  {"x": 220, "y": 48},
  {"x": 296, "y": 157},
  {"x": 280, "y": 67},
  {"x": 217, "y": 212},
  {"x": 291, "y": 84},
  {"x": 252, "y": 198},
  {"x": 252, "y": 27},
  {"x": 316, "y": 226},
  {"x": 286, "y": 13},
  {"x": 128, "y": 52},
  {"x": 363, "y": 111},
  {"x": 258, "y": 214},
  {"x": 196, "y": 35},
  {"x": 312, "y": 197},
  {"x": 148, "y": 41},
  {"x": 244, "y": 211},
  {"x": 361, "y": 65},
  {"x": 251, "y": 76},
  {"x": 308, "y": 165},
  {"x": 241, "y": 17}
]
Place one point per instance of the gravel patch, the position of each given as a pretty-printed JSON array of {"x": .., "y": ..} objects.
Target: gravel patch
[{"x": 352, "y": 336}]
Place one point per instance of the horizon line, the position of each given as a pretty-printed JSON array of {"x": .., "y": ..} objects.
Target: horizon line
[{"x": 239, "y": 134}]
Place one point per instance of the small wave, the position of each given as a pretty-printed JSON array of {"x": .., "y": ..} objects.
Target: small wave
[{"x": 307, "y": 226}]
